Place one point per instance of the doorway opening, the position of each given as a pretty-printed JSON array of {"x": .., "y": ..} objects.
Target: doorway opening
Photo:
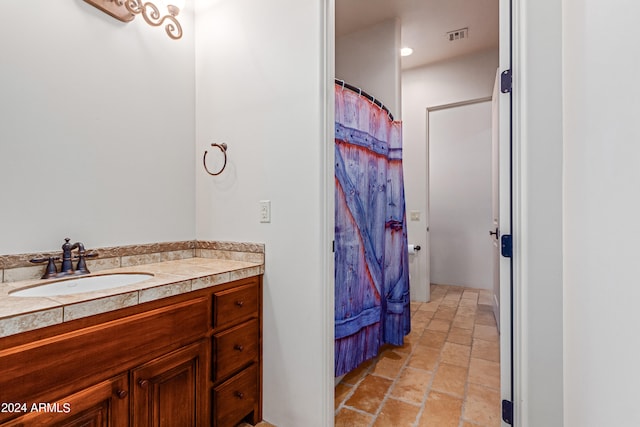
[{"x": 432, "y": 306}]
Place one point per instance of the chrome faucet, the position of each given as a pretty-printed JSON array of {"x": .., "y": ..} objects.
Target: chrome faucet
[{"x": 66, "y": 269}]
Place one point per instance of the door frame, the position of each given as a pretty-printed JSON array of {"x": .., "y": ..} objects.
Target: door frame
[
  {"x": 511, "y": 35},
  {"x": 430, "y": 110},
  {"x": 510, "y": 326}
]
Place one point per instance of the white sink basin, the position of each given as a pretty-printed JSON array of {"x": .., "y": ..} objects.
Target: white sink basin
[{"x": 78, "y": 285}]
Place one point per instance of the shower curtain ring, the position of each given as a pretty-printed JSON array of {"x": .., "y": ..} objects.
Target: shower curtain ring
[{"x": 222, "y": 147}]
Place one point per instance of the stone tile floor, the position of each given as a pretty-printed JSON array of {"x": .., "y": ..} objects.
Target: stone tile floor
[{"x": 446, "y": 374}]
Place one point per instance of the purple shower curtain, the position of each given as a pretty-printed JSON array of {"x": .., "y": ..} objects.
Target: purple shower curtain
[{"x": 371, "y": 257}]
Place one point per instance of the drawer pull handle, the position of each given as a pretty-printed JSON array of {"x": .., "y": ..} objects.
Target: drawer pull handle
[
  {"x": 238, "y": 347},
  {"x": 143, "y": 383},
  {"x": 122, "y": 394},
  {"x": 239, "y": 395},
  {"x": 240, "y": 303}
]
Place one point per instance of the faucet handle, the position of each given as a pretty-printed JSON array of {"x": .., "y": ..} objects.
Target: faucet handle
[
  {"x": 81, "y": 268},
  {"x": 51, "y": 270}
]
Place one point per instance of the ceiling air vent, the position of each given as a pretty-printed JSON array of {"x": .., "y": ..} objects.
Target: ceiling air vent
[{"x": 461, "y": 34}]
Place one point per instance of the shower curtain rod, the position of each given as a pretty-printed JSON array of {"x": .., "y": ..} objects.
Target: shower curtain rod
[{"x": 366, "y": 95}]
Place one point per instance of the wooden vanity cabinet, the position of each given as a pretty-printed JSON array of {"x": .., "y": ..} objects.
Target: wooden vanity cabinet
[{"x": 188, "y": 360}]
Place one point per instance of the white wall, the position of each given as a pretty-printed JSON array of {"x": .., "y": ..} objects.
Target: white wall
[
  {"x": 370, "y": 59},
  {"x": 458, "y": 80},
  {"x": 262, "y": 90},
  {"x": 96, "y": 128},
  {"x": 601, "y": 213},
  {"x": 461, "y": 250}
]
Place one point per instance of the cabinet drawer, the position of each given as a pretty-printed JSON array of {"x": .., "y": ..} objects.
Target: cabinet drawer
[
  {"x": 235, "y": 348},
  {"x": 236, "y": 398},
  {"x": 234, "y": 304}
]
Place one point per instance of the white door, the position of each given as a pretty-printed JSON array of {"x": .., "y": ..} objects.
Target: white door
[
  {"x": 502, "y": 305},
  {"x": 460, "y": 193}
]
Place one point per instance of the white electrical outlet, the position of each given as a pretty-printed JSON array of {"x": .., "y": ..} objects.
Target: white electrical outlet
[{"x": 265, "y": 210}]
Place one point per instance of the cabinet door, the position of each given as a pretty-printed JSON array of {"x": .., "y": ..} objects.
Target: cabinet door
[
  {"x": 104, "y": 404},
  {"x": 172, "y": 390}
]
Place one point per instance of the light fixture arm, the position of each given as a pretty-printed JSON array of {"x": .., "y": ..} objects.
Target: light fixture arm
[
  {"x": 152, "y": 16},
  {"x": 125, "y": 10}
]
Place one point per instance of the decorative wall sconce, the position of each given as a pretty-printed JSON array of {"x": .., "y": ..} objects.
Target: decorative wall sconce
[{"x": 126, "y": 10}]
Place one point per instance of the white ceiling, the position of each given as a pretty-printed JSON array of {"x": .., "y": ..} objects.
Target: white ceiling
[{"x": 425, "y": 24}]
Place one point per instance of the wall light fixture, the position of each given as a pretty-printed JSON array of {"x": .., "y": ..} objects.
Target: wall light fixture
[{"x": 126, "y": 10}]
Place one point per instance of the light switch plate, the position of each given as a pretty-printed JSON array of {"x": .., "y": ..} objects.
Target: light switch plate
[
  {"x": 265, "y": 210},
  {"x": 414, "y": 215}
]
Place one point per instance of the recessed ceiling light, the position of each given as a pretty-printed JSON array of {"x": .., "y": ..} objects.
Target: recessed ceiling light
[{"x": 406, "y": 51}]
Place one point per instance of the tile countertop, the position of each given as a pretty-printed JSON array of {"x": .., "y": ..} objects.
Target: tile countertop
[{"x": 21, "y": 314}]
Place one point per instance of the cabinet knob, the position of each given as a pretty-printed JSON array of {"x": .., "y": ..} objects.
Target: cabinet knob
[
  {"x": 238, "y": 347},
  {"x": 143, "y": 383},
  {"x": 240, "y": 303},
  {"x": 239, "y": 395},
  {"x": 122, "y": 394}
]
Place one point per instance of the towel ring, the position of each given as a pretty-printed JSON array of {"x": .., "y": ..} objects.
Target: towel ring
[{"x": 223, "y": 148}]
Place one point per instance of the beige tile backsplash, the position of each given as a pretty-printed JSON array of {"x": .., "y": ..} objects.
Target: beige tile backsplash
[{"x": 16, "y": 267}]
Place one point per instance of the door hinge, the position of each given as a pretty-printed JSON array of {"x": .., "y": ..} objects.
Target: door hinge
[
  {"x": 507, "y": 412},
  {"x": 506, "y": 245},
  {"x": 506, "y": 81}
]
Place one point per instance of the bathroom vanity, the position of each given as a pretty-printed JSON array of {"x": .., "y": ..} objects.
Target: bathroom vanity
[{"x": 190, "y": 356}]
